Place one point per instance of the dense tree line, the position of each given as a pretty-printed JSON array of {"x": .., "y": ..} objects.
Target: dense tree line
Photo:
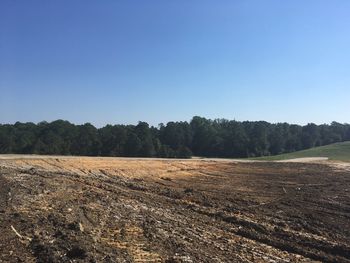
[{"x": 200, "y": 137}]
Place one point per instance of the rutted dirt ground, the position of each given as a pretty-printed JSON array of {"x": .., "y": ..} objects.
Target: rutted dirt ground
[{"x": 121, "y": 210}]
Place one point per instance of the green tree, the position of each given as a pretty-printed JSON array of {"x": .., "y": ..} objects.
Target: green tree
[
  {"x": 133, "y": 145},
  {"x": 184, "y": 152}
]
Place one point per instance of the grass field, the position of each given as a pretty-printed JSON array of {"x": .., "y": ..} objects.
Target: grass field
[{"x": 337, "y": 151}]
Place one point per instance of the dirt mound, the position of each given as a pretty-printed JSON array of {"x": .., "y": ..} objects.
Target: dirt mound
[{"x": 120, "y": 210}]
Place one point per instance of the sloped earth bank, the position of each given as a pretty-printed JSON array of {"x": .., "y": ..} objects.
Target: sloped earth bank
[{"x": 118, "y": 210}]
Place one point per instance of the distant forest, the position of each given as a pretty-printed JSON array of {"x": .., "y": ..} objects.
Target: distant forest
[{"x": 199, "y": 137}]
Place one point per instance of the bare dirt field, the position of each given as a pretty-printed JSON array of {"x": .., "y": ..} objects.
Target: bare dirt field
[{"x": 62, "y": 209}]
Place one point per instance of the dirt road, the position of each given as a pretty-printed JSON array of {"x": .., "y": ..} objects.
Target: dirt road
[
  {"x": 304, "y": 160},
  {"x": 131, "y": 210}
]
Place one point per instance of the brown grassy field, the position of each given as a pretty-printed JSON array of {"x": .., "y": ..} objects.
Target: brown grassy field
[{"x": 63, "y": 209}]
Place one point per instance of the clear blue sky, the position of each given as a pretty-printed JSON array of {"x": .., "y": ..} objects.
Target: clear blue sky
[{"x": 123, "y": 61}]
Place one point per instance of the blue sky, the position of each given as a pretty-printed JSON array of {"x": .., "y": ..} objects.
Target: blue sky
[{"x": 124, "y": 61}]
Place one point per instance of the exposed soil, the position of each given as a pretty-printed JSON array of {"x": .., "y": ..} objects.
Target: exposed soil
[
  {"x": 305, "y": 160},
  {"x": 122, "y": 210}
]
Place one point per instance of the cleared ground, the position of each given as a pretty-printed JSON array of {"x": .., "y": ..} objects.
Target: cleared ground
[{"x": 133, "y": 210}]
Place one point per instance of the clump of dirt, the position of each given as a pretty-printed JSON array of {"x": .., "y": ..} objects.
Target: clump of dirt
[{"x": 125, "y": 210}]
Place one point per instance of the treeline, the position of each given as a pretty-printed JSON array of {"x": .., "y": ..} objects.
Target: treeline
[{"x": 199, "y": 137}]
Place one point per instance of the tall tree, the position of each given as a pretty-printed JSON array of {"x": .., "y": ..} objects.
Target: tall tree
[{"x": 203, "y": 137}]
